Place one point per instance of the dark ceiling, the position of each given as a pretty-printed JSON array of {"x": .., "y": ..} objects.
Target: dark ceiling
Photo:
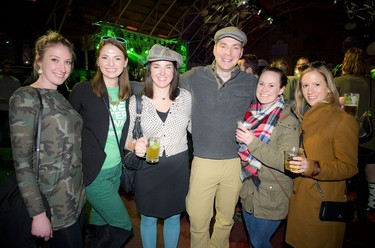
[{"x": 194, "y": 21}]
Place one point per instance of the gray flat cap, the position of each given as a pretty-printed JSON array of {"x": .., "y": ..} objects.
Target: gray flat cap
[
  {"x": 232, "y": 32},
  {"x": 159, "y": 52}
]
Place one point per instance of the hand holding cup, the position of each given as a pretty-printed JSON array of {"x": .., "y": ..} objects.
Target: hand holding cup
[
  {"x": 140, "y": 147},
  {"x": 243, "y": 133},
  {"x": 291, "y": 163}
]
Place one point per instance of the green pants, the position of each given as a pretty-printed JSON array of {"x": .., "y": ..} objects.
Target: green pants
[{"x": 107, "y": 205}]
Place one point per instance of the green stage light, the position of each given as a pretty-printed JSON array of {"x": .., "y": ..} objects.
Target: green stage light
[{"x": 138, "y": 45}]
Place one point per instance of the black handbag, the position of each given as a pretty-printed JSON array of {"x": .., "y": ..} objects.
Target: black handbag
[
  {"x": 15, "y": 222},
  {"x": 131, "y": 162},
  {"x": 335, "y": 211},
  {"x": 130, "y": 159},
  {"x": 366, "y": 129}
]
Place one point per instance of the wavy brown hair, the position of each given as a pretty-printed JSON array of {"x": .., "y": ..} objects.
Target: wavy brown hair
[{"x": 355, "y": 63}]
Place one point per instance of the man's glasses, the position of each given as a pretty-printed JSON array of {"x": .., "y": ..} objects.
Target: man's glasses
[
  {"x": 119, "y": 39},
  {"x": 315, "y": 64}
]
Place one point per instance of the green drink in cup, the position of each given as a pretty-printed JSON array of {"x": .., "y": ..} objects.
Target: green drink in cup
[{"x": 153, "y": 148}]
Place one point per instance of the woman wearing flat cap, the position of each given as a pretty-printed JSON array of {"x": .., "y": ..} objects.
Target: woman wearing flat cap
[{"x": 161, "y": 188}]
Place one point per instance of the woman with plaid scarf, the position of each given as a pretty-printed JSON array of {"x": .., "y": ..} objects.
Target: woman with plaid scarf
[{"x": 266, "y": 188}]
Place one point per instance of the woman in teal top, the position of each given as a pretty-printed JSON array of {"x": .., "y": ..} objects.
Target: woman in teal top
[{"x": 105, "y": 97}]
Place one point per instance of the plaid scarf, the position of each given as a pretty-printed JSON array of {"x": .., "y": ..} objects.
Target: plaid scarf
[{"x": 263, "y": 123}]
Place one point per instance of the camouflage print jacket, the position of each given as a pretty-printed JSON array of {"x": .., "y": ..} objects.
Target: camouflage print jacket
[{"x": 60, "y": 157}]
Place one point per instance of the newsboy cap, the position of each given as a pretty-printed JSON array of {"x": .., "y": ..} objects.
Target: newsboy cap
[
  {"x": 232, "y": 32},
  {"x": 159, "y": 52}
]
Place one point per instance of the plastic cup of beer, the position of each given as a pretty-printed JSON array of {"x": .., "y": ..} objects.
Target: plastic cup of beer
[
  {"x": 351, "y": 101},
  {"x": 244, "y": 124},
  {"x": 290, "y": 154},
  {"x": 153, "y": 148}
]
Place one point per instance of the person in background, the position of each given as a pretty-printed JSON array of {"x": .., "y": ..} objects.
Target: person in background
[
  {"x": 262, "y": 63},
  {"x": 273, "y": 129},
  {"x": 355, "y": 77},
  {"x": 300, "y": 62},
  {"x": 8, "y": 84},
  {"x": 249, "y": 63},
  {"x": 330, "y": 158},
  {"x": 281, "y": 64},
  {"x": 293, "y": 80},
  {"x": 221, "y": 93},
  {"x": 61, "y": 179},
  {"x": 99, "y": 100},
  {"x": 161, "y": 188}
]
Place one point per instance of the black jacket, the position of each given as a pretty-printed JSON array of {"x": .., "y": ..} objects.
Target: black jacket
[{"x": 96, "y": 123}]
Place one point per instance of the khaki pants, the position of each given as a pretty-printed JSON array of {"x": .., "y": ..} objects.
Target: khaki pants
[{"x": 212, "y": 180}]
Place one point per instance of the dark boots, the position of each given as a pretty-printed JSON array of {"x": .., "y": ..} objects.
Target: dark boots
[{"x": 107, "y": 236}]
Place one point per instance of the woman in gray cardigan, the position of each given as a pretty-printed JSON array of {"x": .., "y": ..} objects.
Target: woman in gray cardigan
[{"x": 266, "y": 188}]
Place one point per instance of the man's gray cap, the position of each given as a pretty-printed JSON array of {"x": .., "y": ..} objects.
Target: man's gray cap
[{"x": 232, "y": 32}]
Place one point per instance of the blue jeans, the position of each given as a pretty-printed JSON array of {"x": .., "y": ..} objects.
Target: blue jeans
[{"x": 260, "y": 231}]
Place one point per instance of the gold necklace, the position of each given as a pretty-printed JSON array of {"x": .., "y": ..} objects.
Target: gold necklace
[{"x": 113, "y": 103}]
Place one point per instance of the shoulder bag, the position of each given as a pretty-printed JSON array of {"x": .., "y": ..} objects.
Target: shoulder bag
[
  {"x": 130, "y": 161},
  {"x": 332, "y": 210},
  {"x": 366, "y": 129},
  {"x": 15, "y": 222}
]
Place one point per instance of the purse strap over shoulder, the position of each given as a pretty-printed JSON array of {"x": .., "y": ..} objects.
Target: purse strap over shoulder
[
  {"x": 37, "y": 136},
  {"x": 137, "y": 130},
  {"x": 138, "y": 98}
]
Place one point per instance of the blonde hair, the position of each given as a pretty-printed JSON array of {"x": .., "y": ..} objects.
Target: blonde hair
[
  {"x": 51, "y": 38},
  {"x": 300, "y": 105}
]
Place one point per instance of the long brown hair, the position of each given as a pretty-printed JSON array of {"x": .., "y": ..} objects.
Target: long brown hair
[{"x": 98, "y": 84}]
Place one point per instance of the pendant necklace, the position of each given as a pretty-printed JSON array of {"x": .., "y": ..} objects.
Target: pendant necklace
[{"x": 113, "y": 103}]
